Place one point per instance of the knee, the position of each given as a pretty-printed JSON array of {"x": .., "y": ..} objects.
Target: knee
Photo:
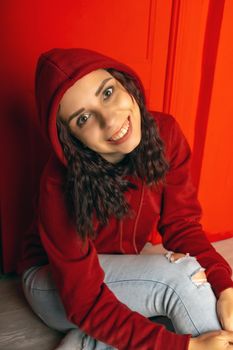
[
  {"x": 188, "y": 266},
  {"x": 198, "y": 275}
]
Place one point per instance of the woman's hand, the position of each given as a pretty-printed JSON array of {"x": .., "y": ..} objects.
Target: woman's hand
[
  {"x": 225, "y": 309},
  {"x": 219, "y": 340}
]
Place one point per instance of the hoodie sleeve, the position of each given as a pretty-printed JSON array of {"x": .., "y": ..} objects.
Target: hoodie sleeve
[
  {"x": 181, "y": 212},
  {"x": 88, "y": 301}
]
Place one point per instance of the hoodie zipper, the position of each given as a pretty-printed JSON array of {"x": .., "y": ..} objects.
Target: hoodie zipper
[
  {"x": 135, "y": 225},
  {"x": 137, "y": 218}
]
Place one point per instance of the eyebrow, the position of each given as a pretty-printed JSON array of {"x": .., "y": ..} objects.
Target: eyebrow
[
  {"x": 102, "y": 85},
  {"x": 73, "y": 115}
]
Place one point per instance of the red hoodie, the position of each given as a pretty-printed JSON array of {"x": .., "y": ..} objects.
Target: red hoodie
[{"x": 173, "y": 210}]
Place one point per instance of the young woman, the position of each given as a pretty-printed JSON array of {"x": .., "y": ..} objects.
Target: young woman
[{"x": 116, "y": 173}]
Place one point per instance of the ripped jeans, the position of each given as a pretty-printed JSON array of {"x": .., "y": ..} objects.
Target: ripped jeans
[{"x": 152, "y": 285}]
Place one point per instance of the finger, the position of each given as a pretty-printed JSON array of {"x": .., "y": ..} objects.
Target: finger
[
  {"x": 228, "y": 335},
  {"x": 222, "y": 323},
  {"x": 227, "y": 325},
  {"x": 225, "y": 320}
]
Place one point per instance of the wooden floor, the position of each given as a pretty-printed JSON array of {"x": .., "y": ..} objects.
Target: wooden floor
[{"x": 20, "y": 329}]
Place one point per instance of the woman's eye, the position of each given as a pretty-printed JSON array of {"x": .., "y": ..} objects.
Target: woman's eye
[
  {"x": 82, "y": 119},
  {"x": 108, "y": 92}
]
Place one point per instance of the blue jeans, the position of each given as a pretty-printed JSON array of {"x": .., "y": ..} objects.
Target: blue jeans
[{"x": 148, "y": 284}]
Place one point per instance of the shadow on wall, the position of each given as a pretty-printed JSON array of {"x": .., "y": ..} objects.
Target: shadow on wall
[{"x": 24, "y": 152}]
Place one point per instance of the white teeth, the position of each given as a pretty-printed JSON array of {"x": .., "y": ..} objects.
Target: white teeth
[{"x": 122, "y": 132}]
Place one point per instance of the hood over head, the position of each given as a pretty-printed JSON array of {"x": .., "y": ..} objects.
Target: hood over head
[{"x": 57, "y": 70}]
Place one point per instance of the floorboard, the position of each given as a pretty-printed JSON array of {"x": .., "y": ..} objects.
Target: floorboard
[{"x": 20, "y": 329}]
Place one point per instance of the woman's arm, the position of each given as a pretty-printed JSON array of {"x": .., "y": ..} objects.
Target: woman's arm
[
  {"x": 88, "y": 301},
  {"x": 179, "y": 223},
  {"x": 225, "y": 309},
  {"x": 220, "y": 340}
]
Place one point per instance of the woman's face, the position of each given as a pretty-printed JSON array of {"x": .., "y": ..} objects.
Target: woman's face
[{"x": 102, "y": 115}]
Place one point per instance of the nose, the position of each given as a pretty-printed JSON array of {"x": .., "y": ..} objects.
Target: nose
[{"x": 107, "y": 117}]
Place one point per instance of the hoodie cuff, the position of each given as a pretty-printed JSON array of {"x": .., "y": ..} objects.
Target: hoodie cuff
[
  {"x": 175, "y": 341},
  {"x": 219, "y": 282}
]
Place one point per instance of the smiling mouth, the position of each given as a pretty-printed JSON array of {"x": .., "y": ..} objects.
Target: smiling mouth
[{"x": 122, "y": 132}]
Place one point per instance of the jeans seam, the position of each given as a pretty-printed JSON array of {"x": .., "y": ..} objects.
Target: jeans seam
[
  {"x": 136, "y": 280},
  {"x": 44, "y": 290}
]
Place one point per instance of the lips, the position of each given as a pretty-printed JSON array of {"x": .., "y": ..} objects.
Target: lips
[{"x": 117, "y": 136}]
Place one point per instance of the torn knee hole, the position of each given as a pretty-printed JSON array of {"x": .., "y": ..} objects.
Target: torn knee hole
[
  {"x": 176, "y": 257},
  {"x": 199, "y": 277}
]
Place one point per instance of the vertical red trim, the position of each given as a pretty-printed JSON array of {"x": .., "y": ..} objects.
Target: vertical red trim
[
  {"x": 174, "y": 24},
  {"x": 150, "y": 31},
  {"x": 212, "y": 34}
]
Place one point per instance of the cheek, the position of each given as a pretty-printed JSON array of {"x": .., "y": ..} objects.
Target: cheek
[
  {"x": 91, "y": 137},
  {"x": 86, "y": 134},
  {"x": 137, "y": 114},
  {"x": 124, "y": 100}
]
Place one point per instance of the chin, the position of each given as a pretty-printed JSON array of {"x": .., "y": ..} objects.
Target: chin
[{"x": 134, "y": 145}]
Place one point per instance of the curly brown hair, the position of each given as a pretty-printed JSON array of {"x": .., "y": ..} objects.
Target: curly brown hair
[{"x": 93, "y": 186}]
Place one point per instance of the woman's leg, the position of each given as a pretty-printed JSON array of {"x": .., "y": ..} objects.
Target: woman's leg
[
  {"x": 148, "y": 284},
  {"x": 42, "y": 296},
  {"x": 152, "y": 285}
]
